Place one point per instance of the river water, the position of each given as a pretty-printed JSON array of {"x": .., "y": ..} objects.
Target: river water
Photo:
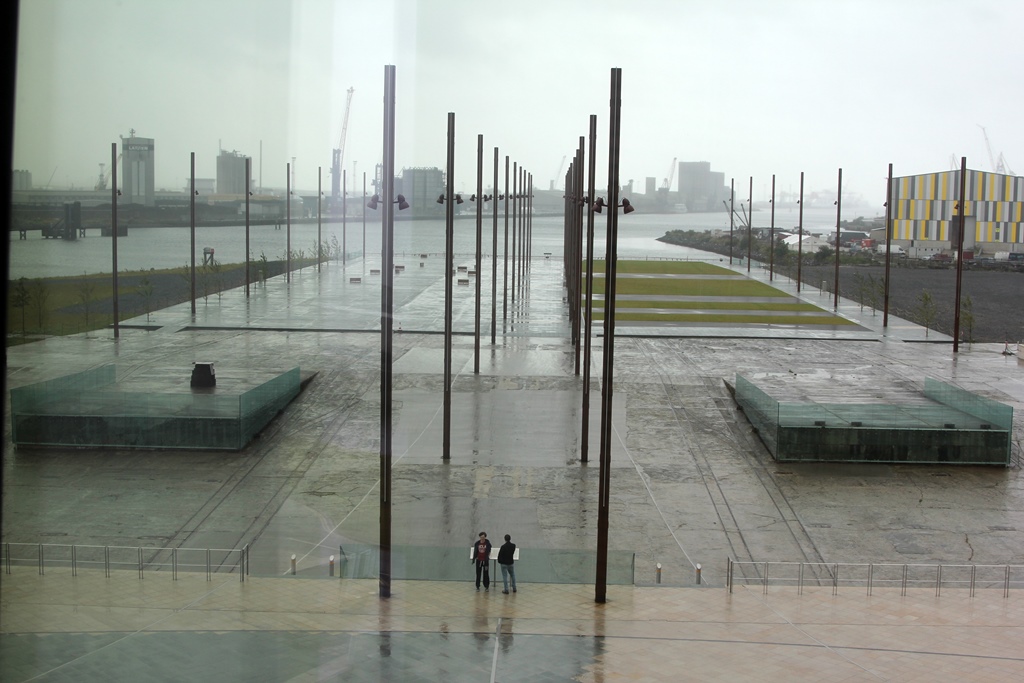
[{"x": 146, "y": 248}]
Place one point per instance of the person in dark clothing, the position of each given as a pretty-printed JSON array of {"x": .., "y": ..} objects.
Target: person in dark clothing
[
  {"x": 506, "y": 558},
  {"x": 482, "y": 558}
]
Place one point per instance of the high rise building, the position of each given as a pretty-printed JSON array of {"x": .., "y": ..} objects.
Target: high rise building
[{"x": 138, "y": 168}]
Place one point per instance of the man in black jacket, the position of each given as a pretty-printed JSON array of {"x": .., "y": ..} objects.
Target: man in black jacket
[
  {"x": 482, "y": 559},
  {"x": 506, "y": 558}
]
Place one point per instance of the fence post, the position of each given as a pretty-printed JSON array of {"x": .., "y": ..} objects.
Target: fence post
[
  {"x": 973, "y": 570},
  {"x": 766, "y": 578},
  {"x": 74, "y": 562},
  {"x": 1006, "y": 583},
  {"x": 330, "y": 571},
  {"x": 7, "y": 553},
  {"x": 835, "y": 579},
  {"x": 209, "y": 576},
  {"x": 174, "y": 564},
  {"x": 293, "y": 564},
  {"x": 903, "y": 590},
  {"x": 241, "y": 566},
  {"x": 938, "y": 581},
  {"x": 871, "y": 571},
  {"x": 106, "y": 561},
  {"x": 657, "y": 573},
  {"x": 698, "y": 573},
  {"x": 800, "y": 580},
  {"x": 140, "y": 562},
  {"x": 728, "y": 573},
  {"x": 41, "y": 571}
]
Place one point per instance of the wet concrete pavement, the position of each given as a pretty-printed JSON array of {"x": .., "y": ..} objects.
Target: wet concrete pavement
[{"x": 690, "y": 483}]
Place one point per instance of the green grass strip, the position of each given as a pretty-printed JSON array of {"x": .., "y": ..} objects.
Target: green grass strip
[
  {"x": 705, "y": 288},
  {"x": 668, "y": 267},
  {"x": 715, "y": 305},
  {"x": 802, "y": 321}
]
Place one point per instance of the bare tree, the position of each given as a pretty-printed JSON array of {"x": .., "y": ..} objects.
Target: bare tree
[
  {"x": 926, "y": 310},
  {"x": 86, "y": 290},
  {"x": 20, "y": 298},
  {"x": 40, "y": 295}
]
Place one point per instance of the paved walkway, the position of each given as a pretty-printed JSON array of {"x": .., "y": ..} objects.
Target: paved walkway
[
  {"x": 59, "y": 628},
  {"x": 691, "y": 484}
]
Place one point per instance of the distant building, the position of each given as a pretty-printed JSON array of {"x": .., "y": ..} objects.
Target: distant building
[
  {"x": 230, "y": 173},
  {"x": 926, "y": 215},
  {"x": 421, "y": 187},
  {"x": 21, "y": 181},
  {"x": 650, "y": 186},
  {"x": 700, "y": 188},
  {"x": 138, "y": 170}
]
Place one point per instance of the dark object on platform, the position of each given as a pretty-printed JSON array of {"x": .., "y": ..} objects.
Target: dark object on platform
[{"x": 203, "y": 375}]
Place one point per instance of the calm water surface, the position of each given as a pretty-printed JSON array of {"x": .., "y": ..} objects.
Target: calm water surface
[{"x": 146, "y": 248}]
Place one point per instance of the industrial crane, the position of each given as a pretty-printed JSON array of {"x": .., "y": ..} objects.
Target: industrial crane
[
  {"x": 999, "y": 164},
  {"x": 101, "y": 182},
  {"x": 671, "y": 175},
  {"x": 558, "y": 173},
  {"x": 338, "y": 155}
]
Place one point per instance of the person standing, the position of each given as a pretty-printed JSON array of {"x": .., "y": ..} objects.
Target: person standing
[
  {"x": 506, "y": 559},
  {"x": 482, "y": 558}
]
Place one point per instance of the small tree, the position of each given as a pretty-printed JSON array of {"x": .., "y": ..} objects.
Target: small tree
[
  {"x": 860, "y": 289},
  {"x": 86, "y": 290},
  {"x": 876, "y": 293},
  {"x": 967, "y": 318},
  {"x": 926, "y": 310},
  {"x": 823, "y": 256},
  {"x": 145, "y": 292},
  {"x": 40, "y": 294},
  {"x": 20, "y": 298}
]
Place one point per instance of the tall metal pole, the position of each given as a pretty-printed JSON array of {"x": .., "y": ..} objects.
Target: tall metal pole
[
  {"x": 364, "y": 216},
  {"x": 589, "y": 310},
  {"x": 750, "y": 221},
  {"x": 479, "y": 248},
  {"x": 611, "y": 255},
  {"x": 494, "y": 256},
  {"x": 248, "y": 182},
  {"x": 319, "y": 237},
  {"x": 344, "y": 217},
  {"x": 771, "y": 237},
  {"x": 386, "y": 333},
  {"x": 732, "y": 214},
  {"x": 113, "y": 240},
  {"x": 504, "y": 251},
  {"x": 192, "y": 231},
  {"x": 960, "y": 253},
  {"x": 515, "y": 224},
  {"x": 800, "y": 234},
  {"x": 449, "y": 267},
  {"x": 888, "y": 247},
  {"x": 839, "y": 213},
  {"x": 288, "y": 222}
]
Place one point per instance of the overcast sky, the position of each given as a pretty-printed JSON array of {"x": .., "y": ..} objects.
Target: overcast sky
[{"x": 755, "y": 87}]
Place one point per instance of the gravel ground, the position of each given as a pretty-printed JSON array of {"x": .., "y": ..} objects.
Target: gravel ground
[{"x": 997, "y": 296}]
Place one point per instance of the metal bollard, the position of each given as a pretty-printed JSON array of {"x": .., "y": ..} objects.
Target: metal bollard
[
  {"x": 657, "y": 574},
  {"x": 293, "y": 564},
  {"x": 698, "y": 573},
  {"x": 331, "y": 567}
]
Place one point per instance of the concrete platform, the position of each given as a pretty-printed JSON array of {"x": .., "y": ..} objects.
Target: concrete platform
[{"x": 690, "y": 484}]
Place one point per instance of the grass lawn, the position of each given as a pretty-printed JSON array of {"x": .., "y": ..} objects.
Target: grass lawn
[{"x": 634, "y": 293}]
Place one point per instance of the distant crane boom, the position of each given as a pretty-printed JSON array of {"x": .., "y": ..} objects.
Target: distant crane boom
[
  {"x": 338, "y": 157},
  {"x": 671, "y": 174}
]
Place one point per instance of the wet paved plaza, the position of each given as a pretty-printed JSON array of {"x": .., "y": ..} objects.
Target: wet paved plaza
[{"x": 691, "y": 484}]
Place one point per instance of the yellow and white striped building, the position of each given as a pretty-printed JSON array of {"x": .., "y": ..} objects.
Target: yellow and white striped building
[{"x": 926, "y": 217}]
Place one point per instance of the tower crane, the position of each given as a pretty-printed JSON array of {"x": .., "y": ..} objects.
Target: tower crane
[{"x": 338, "y": 155}]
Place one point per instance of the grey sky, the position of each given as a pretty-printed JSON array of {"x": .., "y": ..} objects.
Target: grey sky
[{"x": 753, "y": 87}]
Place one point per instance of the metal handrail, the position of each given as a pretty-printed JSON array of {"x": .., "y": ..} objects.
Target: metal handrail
[
  {"x": 871, "y": 574},
  {"x": 112, "y": 557}
]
